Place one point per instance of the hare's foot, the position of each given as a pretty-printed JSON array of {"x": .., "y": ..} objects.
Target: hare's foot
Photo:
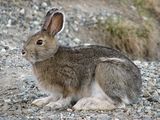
[
  {"x": 93, "y": 103},
  {"x": 42, "y": 101},
  {"x": 60, "y": 104}
]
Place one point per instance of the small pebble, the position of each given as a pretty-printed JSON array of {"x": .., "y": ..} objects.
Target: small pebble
[
  {"x": 69, "y": 110},
  {"x": 3, "y": 50},
  {"x": 9, "y": 23},
  {"x": 44, "y": 4},
  {"x": 22, "y": 11},
  {"x": 7, "y": 100}
]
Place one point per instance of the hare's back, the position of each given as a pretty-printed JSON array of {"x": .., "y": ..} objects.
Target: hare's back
[
  {"x": 90, "y": 53},
  {"x": 90, "y": 56}
]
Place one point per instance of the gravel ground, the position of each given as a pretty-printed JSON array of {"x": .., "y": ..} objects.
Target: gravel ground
[{"x": 18, "y": 85}]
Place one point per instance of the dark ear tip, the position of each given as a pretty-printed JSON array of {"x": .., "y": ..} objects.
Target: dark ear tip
[{"x": 51, "y": 11}]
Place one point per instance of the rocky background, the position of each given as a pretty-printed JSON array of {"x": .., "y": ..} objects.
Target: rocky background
[{"x": 131, "y": 26}]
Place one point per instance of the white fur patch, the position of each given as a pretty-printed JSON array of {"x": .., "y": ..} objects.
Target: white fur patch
[
  {"x": 112, "y": 59},
  {"x": 93, "y": 103},
  {"x": 87, "y": 44},
  {"x": 42, "y": 101},
  {"x": 97, "y": 91},
  {"x": 125, "y": 100}
]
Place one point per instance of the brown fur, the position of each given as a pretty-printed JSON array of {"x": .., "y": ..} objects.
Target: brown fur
[{"x": 75, "y": 71}]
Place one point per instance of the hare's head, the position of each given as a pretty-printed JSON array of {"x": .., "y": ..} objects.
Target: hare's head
[{"x": 43, "y": 45}]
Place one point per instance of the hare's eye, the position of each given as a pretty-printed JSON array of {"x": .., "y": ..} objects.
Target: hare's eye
[{"x": 39, "y": 42}]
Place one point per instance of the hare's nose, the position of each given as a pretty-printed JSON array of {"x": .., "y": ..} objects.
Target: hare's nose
[{"x": 23, "y": 52}]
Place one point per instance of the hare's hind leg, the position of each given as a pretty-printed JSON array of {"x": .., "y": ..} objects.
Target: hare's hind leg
[
  {"x": 115, "y": 77},
  {"x": 98, "y": 100}
]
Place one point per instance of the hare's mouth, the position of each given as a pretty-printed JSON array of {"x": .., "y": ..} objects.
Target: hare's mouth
[
  {"x": 30, "y": 59},
  {"x": 33, "y": 59}
]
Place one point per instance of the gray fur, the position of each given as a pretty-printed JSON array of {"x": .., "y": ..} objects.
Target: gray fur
[{"x": 72, "y": 71}]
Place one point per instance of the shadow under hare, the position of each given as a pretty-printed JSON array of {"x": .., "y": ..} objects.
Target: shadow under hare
[{"x": 93, "y": 77}]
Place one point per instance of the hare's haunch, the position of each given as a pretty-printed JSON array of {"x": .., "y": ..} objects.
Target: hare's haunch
[{"x": 94, "y": 77}]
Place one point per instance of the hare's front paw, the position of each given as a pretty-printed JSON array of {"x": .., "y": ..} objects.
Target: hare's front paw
[
  {"x": 53, "y": 106},
  {"x": 41, "y": 102},
  {"x": 60, "y": 104}
]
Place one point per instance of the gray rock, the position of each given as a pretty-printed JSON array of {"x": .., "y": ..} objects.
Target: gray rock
[
  {"x": 9, "y": 23},
  {"x": 44, "y": 4},
  {"x": 22, "y": 11}
]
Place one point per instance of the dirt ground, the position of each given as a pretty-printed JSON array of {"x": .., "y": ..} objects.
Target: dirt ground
[{"x": 18, "y": 88}]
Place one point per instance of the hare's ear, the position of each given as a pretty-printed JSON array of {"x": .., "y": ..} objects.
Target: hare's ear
[{"x": 54, "y": 21}]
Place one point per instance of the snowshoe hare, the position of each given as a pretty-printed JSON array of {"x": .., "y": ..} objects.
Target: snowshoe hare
[{"x": 93, "y": 77}]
